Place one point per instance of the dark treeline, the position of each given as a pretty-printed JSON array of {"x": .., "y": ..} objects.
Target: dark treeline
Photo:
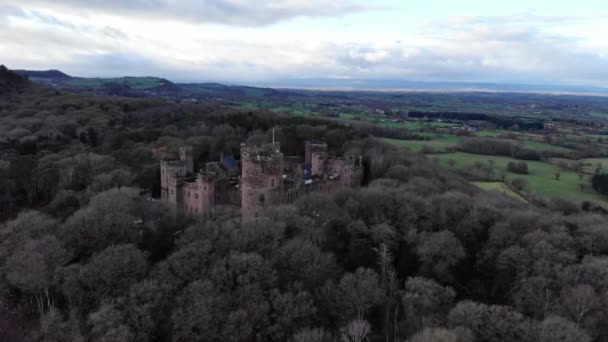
[
  {"x": 417, "y": 255},
  {"x": 500, "y": 121},
  {"x": 499, "y": 147}
]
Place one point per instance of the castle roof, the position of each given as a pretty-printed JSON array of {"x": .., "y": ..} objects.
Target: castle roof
[{"x": 230, "y": 162}]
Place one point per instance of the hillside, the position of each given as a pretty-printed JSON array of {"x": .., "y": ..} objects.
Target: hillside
[
  {"x": 43, "y": 74},
  {"x": 11, "y": 82}
]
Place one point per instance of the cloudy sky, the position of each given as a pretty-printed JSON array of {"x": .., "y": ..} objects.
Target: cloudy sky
[{"x": 240, "y": 41}]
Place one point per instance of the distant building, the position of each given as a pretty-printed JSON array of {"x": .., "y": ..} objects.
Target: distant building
[{"x": 264, "y": 177}]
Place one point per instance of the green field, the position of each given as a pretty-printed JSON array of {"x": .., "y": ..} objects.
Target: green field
[
  {"x": 541, "y": 180},
  {"x": 488, "y": 134},
  {"x": 437, "y": 145},
  {"x": 440, "y": 142},
  {"x": 415, "y": 125},
  {"x": 500, "y": 187},
  {"x": 541, "y": 146},
  {"x": 590, "y": 165}
]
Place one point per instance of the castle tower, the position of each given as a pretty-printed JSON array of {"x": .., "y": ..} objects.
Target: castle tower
[
  {"x": 316, "y": 157},
  {"x": 261, "y": 177},
  {"x": 199, "y": 195},
  {"x": 175, "y": 195},
  {"x": 170, "y": 169},
  {"x": 186, "y": 154}
]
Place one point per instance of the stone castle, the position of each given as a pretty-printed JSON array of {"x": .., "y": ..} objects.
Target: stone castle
[{"x": 264, "y": 177}]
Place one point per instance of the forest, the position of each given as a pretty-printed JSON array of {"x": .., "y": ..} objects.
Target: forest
[{"x": 418, "y": 254}]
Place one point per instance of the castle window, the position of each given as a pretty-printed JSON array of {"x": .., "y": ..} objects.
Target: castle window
[
  {"x": 171, "y": 191},
  {"x": 272, "y": 182},
  {"x": 205, "y": 188},
  {"x": 196, "y": 196},
  {"x": 188, "y": 193}
]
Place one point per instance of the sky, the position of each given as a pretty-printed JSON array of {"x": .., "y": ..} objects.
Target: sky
[{"x": 265, "y": 41}]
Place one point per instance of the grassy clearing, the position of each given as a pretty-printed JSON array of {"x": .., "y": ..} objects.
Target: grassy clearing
[
  {"x": 541, "y": 146},
  {"x": 295, "y": 110},
  {"x": 541, "y": 177},
  {"x": 500, "y": 187},
  {"x": 249, "y": 105},
  {"x": 488, "y": 134},
  {"x": 591, "y": 164},
  {"x": 416, "y": 145}
]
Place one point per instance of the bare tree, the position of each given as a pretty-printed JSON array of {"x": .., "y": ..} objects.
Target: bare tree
[
  {"x": 356, "y": 331},
  {"x": 579, "y": 301},
  {"x": 361, "y": 291},
  {"x": 312, "y": 335},
  {"x": 388, "y": 280}
]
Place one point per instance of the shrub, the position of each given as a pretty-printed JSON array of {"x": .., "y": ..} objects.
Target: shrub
[
  {"x": 519, "y": 183},
  {"x": 599, "y": 182},
  {"x": 518, "y": 167}
]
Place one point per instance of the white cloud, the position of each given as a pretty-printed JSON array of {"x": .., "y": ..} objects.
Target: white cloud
[{"x": 516, "y": 48}]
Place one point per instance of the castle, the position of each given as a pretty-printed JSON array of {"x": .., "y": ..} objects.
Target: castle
[{"x": 264, "y": 177}]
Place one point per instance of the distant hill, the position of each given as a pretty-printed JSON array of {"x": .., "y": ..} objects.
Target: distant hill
[
  {"x": 48, "y": 74},
  {"x": 135, "y": 84},
  {"x": 225, "y": 91},
  {"x": 10, "y": 81},
  {"x": 145, "y": 86},
  {"x": 121, "y": 86}
]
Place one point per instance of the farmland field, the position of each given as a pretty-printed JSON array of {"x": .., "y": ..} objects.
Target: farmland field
[
  {"x": 500, "y": 187},
  {"x": 540, "y": 179}
]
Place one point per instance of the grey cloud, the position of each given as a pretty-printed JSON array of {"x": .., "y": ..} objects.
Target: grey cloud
[
  {"x": 496, "y": 54},
  {"x": 230, "y": 12},
  {"x": 116, "y": 65},
  {"x": 46, "y": 19}
]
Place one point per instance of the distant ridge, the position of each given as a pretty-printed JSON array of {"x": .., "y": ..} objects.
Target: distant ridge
[
  {"x": 143, "y": 86},
  {"x": 48, "y": 74}
]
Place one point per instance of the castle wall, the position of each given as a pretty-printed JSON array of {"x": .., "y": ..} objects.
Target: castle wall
[
  {"x": 199, "y": 196},
  {"x": 311, "y": 147},
  {"x": 228, "y": 192},
  {"x": 343, "y": 172},
  {"x": 318, "y": 163},
  {"x": 186, "y": 155}
]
